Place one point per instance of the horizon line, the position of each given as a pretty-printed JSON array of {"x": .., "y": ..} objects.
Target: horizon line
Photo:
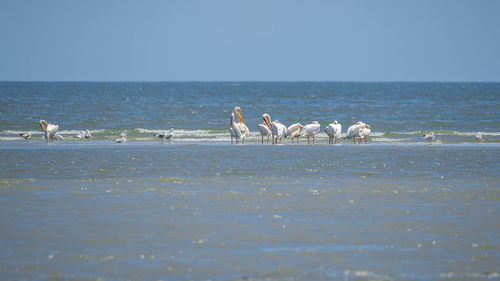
[{"x": 241, "y": 81}]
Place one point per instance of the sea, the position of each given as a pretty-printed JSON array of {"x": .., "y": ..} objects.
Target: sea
[{"x": 197, "y": 207}]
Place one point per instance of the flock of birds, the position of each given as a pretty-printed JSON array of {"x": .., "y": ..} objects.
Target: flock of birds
[
  {"x": 359, "y": 132},
  {"x": 50, "y": 132},
  {"x": 239, "y": 131}
]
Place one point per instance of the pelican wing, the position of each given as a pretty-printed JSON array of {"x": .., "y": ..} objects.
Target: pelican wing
[
  {"x": 293, "y": 130},
  {"x": 310, "y": 129},
  {"x": 264, "y": 130}
]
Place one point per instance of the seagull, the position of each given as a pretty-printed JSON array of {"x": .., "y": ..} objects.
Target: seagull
[
  {"x": 87, "y": 134},
  {"x": 80, "y": 135},
  {"x": 166, "y": 135},
  {"x": 478, "y": 136},
  {"x": 26, "y": 136},
  {"x": 122, "y": 138},
  {"x": 429, "y": 137}
]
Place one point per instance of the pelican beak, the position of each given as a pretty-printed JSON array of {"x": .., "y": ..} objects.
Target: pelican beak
[
  {"x": 240, "y": 115},
  {"x": 43, "y": 125},
  {"x": 267, "y": 121}
]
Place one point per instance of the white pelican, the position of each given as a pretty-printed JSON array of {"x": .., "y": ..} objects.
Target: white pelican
[
  {"x": 49, "y": 130},
  {"x": 364, "y": 133},
  {"x": 80, "y": 135},
  {"x": 26, "y": 136},
  {"x": 478, "y": 136},
  {"x": 234, "y": 129},
  {"x": 429, "y": 137},
  {"x": 87, "y": 134},
  {"x": 122, "y": 138},
  {"x": 353, "y": 131},
  {"x": 279, "y": 131},
  {"x": 310, "y": 130},
  {"x": 334, "y": 130},
  {"x": 293, "y": 131},
  {"x": 241, "y": 123},
  {"x": 265, "y": 128},
  {"x": 166, "y": 135}
]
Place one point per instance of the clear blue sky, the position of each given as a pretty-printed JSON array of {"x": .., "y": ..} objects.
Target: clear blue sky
[{"x": 263, "y": 40}]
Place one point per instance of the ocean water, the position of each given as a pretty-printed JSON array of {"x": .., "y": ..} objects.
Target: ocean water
[
  {"x": 397, "y": 112},
  {"x": 199, "y": 208}
]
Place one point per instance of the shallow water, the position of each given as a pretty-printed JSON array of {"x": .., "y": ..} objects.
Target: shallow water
[
  {"x": 209, "y": 211},
  {"x": 198, "y": 208}
]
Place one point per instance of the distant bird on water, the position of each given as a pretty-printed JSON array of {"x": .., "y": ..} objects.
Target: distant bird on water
[
  {"x": 166, "y": 135},
  {"x": 26, "y": 136},
  {"x": 122, "y": 138},
  {"x": 478, "y": 136},
  {"x": 87, "y": 134},
  {"x": 429, "y": 137}
]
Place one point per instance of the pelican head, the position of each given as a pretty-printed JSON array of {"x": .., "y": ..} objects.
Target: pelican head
[
  {"x": 43, "y": 125},
  {"x": 335, "y": 122},
  {"x": 267, "y": 120},
  {"x": 240, "y": 115}
]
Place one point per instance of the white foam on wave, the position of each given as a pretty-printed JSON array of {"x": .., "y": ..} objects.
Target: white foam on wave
[
  {"x": 62, "y": 132},
  {"x": 450, "y": 133},
  {"x": 389, "y": 139}
]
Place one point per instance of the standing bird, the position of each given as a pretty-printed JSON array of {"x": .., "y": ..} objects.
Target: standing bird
[
  {"x": 478, "y": 136},
  {"x": 234, "y": 129},
  {"x": 265, "y": 128},
  {"x": 242, "y": 127},
  {"x": 310, "y": 130},
  {"x": 279, "y": 131},
  {"x": 166, "y": 135},
  {"x": 49, "y": 130},
  {"x": 122, "y": 138},
  {"x": 353, "y": 131},
  {"x": 87, "y": 134},
  {"x": 364, "y": 133},
  {"x": 334, "y": 131},
  {"x": 429, "y": 137},
  {"x": 293, "y": 131},
  {"x": 26, "y": 136}
]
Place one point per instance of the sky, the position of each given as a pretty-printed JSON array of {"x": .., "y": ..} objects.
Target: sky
[{"x": 257, "y": 40}]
